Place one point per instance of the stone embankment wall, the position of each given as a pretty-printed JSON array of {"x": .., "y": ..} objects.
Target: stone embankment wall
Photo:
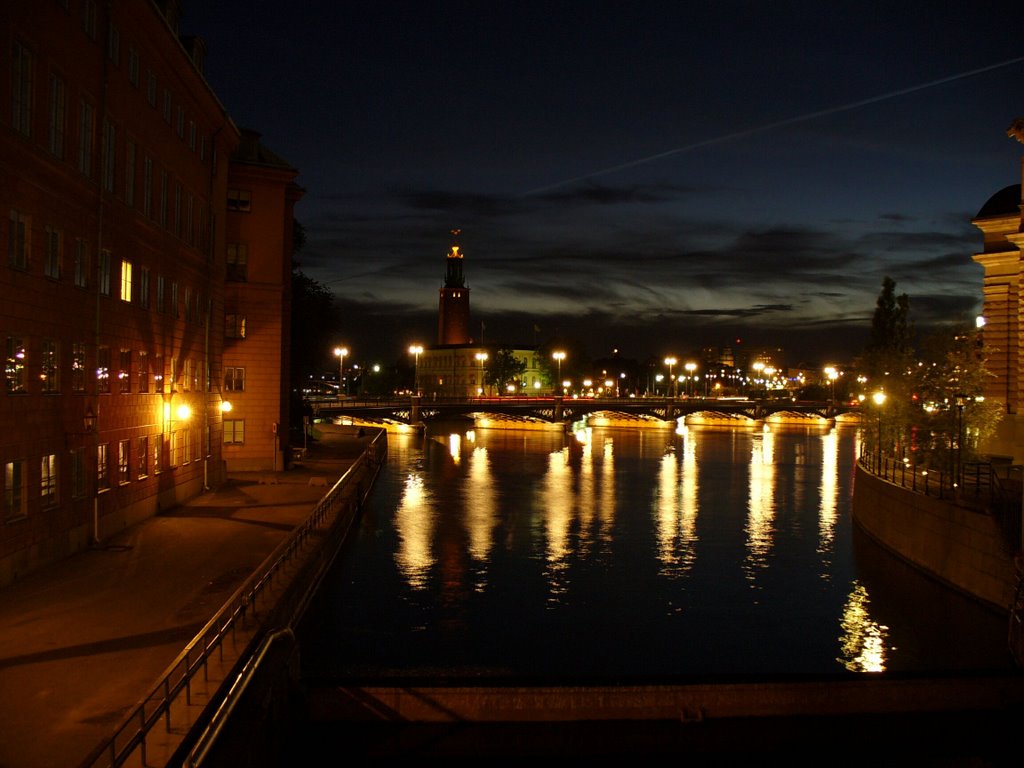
[{"x": 960, "y": 547}]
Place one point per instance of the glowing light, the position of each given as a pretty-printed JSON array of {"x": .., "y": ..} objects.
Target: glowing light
[{"x": 225, "y": 406}]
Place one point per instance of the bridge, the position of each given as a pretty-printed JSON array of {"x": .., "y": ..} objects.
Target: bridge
[{"x": 417, "y": 411}]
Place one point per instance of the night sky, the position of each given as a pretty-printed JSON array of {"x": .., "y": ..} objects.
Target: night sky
[{"x": 653, "y": 177}]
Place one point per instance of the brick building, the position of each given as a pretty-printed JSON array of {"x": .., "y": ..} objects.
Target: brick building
[{"x": 116, "y": 163}]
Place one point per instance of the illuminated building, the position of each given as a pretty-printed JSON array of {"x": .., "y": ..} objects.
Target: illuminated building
[
  {"x": 453, "y": 307},
  {"x": 455, "y": 366},
  {"x": 1002, "y": 226},
  {"x": 123, "y": 179}
]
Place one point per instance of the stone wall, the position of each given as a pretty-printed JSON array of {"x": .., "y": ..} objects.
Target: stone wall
[{"x": 960, "y": 547}]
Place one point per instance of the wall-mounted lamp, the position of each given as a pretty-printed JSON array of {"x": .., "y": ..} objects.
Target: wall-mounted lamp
[
  {"x": 88, "y": 425},
  {"x": 89, "y": 420},
  {"x": 225, "y": 406}
]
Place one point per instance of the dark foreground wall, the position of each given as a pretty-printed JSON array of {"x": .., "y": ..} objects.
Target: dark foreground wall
[{"x": 960, "y": 547}]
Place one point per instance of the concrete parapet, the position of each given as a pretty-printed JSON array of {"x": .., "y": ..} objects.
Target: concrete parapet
[{"x": 960, "y": 547}]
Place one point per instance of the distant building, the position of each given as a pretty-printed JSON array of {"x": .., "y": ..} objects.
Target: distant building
[
  {"x": 453, "y": 305},
  {"x": 129, "y": 198},
  {"x": 456, "y": 365}
]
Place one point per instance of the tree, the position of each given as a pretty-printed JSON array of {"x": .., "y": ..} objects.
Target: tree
[
  {"x": 887, "y": 361},
  {"x": 504, "y": 368},
  {"x": 949, "y": 385},
  {"x": 313, "y": 317}
]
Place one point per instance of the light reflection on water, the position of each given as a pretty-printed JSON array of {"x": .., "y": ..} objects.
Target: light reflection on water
[{"x": 705, "y": 551}]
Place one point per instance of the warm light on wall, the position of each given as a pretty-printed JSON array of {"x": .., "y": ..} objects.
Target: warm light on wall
[
  {"x": 225, "y": 406},
  {"x": 183, "y": 412}
]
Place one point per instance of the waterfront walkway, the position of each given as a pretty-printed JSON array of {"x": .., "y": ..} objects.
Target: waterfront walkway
[{"x": 84, "y": 640}]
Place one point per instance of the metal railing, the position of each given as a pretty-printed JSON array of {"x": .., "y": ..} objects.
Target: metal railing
[
  {"x": 235, "y": 614},
  {"x": 981, "y": 486}
]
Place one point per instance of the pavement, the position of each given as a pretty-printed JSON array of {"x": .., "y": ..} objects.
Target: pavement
[{"x": 84, "y": 640}]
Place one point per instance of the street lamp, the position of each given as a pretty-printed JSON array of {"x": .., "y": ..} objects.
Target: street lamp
[
  {"x": 670, "y": 362},
  {"x": 690, "y": 368},
  {"x": 340, "y": 352},
  {"x": 559, "y": 357},
  {"x": 481, "y": 356},
  {"x": 879, "y": 398},
  {"x": 960, "y": 399},
  {"x": 416, "y": 350},
  {"x": 832, "y": 374}
]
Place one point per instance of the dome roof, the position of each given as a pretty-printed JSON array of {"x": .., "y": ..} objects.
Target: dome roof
[{"x": 1005, "y": 202}]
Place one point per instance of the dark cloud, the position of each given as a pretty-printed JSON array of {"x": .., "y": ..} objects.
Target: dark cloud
[{"x": 636, "y": 174}]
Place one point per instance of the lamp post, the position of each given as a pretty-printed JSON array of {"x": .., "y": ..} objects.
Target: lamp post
[
  {"x": 340, "y": 352},
  {"x": 481, "y": 356},
  {"x": 559, "y": 356},
  {"x": 416, "y": 350},
  {"x": 960, "y": 399},
  {"x": 832, "y": 374},
  {"x": 879, "y": 398},
  {"x": 670, "y": 362},
  {"x": 690, "y": 368}
]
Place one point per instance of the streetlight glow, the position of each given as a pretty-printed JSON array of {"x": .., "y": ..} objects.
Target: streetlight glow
[
  {"x": 416, "y": 350},
  {"x": 481, "y": 356},
  {"x": 670, "y": 362},
  {"x": 559, "y": 356},
  {"x": 341, "y": 352}
]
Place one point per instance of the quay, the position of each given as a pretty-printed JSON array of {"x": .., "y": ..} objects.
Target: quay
[{"x": 85, "y": 642}]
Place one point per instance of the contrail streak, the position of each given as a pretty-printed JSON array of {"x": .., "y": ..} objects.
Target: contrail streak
[{"x": 777, "y": 124}]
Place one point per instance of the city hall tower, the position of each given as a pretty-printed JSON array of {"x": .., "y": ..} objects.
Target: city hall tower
[{"x": 453, "y": 310}]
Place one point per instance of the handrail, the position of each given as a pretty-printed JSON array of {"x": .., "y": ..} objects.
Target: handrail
[
  {"x": 131, "y": 734},
  {"x": 197, "y": 756}
]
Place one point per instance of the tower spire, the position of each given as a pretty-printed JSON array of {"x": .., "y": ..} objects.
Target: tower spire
[
  {"x": 453, "y": 277},
  {"x": 453, "y": 310}
]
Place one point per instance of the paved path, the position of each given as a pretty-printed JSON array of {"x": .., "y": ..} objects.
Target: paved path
[{"x": 84, "y": 640}]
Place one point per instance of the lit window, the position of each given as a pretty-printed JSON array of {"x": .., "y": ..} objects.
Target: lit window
[
  {"x": 48, "y": 480},
  {"x": 142, "y": 457},
  {"x": 102, "y": 466},
  {"x": 235, "y": 326},
  {"x": 49, "y": 359},
  {"x": 124, "y": 373},
  {"x": 234, "y": 431},
  {"x": 123, "y": 459},
  {"x": 14, "y": 489},
  {"x": 126, "y": 280},
  {"x": 103, "y": 368},
  {"x": 78, "y": 366},
  {"x": 15, "y": 364},
  {"x": 234, "y": 379}
]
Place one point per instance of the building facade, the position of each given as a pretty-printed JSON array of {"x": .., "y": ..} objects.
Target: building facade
[
  {"x": 259, "y": 228},
  {"x": 115, "y": 163},
  {"x": 1001, "y": 224}
]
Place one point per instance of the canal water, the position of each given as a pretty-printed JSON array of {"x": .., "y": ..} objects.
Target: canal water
[{"x": 630, "y": 554}]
